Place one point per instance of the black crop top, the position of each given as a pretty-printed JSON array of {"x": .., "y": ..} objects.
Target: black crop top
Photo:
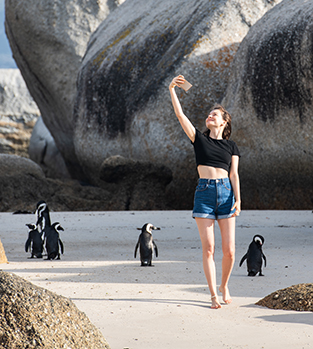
[{"x": 214, "y": 152}]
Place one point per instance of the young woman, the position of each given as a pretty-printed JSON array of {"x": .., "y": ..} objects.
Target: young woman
[{"x": 217, "y": 195}]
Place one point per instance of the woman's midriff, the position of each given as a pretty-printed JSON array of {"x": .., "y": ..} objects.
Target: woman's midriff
[{"x": 211, "y": 172}]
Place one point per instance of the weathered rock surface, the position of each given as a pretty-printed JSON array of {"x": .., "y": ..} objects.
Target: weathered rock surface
[
  {"x": 23, "y": 184},
  {"x": 48, "y": 40},
  {"x": 123, "y": 105},
  {"x": 43, "y": 150},
  {"x": 32, "y": 317},
  {"x": 270, "y": 97},
  {"x": 3, "y": 257},
  {"x": 18, "y": 113},
  {"x": 141, "y": 185},
  {"x": 297, "y": 297}
]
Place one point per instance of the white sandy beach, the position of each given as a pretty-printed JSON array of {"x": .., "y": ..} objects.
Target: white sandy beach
[{"x": 168, "y": 306}]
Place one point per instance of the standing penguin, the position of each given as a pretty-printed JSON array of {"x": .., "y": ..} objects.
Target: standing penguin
[
  {"x": 146, "y": 244},
  {"x": 43, "y": 215},
  {"x": 53, "y": 241},
  {"x": 254, "y": 256},
  {"x": 34, "y": 241}
]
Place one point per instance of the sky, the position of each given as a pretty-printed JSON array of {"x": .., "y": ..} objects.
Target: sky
[{"x": 6, "y": 60}]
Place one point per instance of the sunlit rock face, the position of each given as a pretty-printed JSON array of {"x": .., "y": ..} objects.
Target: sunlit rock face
[
  {"x": 48, "y": 40},
  {"x": 270, "y": 98},
  {"x": 123, "y": 105},
  {"x": 18, "y": 113}
]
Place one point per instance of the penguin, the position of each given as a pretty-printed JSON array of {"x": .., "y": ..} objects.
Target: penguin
[
  {"x": 34, "y": 241},
  {"x": 146, "y": 245},
  {"x": 254, "y": 256},
  {"x": 43, "y": 216},
  {"x": 53, "y": 241}
]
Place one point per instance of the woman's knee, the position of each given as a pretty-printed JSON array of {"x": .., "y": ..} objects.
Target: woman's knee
[
  {"x": 208, "y": 253},
  {"x": 229, "y": 253}
]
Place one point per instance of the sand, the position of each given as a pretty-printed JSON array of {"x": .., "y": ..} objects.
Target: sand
[{"x": 168, "y": 305}]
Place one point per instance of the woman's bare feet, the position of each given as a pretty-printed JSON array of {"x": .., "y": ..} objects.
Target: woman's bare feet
[
  {"x": 215, "y": 303},
  {"x": 226, "y": 296}
]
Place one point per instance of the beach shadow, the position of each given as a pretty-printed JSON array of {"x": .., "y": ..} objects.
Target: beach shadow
[
  {"x": 296, "y": 318},
  {"x": 177, "y": 302}
]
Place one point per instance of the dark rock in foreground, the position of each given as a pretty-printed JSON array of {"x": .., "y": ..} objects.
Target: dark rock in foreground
[
  {"x": 32, "y": 317},
  {"x": 296, "y": 297}
]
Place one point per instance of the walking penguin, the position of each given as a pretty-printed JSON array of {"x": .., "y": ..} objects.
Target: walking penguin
[
  {"x": 254, "y": 256},
  {"x": 53, "y": 241},
  {"x": 146, "y": 244},
  {"x": 34, "y": 241}
]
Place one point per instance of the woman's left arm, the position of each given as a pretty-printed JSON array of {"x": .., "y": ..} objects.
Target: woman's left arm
[{"x": 234, "y": 180}]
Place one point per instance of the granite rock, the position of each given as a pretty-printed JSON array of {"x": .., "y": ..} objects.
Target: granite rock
[
  {"x": 43, "y": 150},
  {"x": 270, "y": 98},
  {"x": 48, "y": 40},
  {"x": 23, "y": 184},
  {"x": 123, "y": 105},
  {"x": 32, "y": 317},
  {"x": 18, "y": 113}
]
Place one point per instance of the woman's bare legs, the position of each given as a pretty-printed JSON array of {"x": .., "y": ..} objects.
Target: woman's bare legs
[
  {"x": 227, "y": 227},
  {"x": 206, "y": 231}
]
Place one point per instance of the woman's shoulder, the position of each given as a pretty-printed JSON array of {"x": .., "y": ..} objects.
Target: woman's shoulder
[{"x": 233, "y": 145}]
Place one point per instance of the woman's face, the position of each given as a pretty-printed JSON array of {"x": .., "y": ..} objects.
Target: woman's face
[{"x": 215, "y": 119}]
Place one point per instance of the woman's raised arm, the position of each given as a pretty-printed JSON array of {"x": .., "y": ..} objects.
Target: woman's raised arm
[{"x": 184, "y": 121}]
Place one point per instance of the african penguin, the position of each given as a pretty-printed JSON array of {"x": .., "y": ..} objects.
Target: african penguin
[
  {"x": 34, "y": 241},
  {"x": 53, "y": 241},
  {"x": 254, "y": 256},
  {"x": 43, "y": 216},
  {"x": 146, "y": 244}
]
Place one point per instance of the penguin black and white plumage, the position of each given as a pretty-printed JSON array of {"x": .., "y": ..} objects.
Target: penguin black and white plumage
[
  {"x": 53, "y": 241},
  {"x": 254, "y": 256},
  {"x": 34, "y": 241},
  {"x": 146, "y": 245},
  {"x": 43, "y": 215}
]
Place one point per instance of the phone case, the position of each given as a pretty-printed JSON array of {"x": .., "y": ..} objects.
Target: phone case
[{"x": 186, "y": 85}]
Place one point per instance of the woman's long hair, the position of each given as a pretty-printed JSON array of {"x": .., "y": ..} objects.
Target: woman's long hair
[{"x": 226, "y": 116}]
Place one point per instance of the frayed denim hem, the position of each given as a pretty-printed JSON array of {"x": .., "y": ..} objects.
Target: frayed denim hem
[{"x": 203, "y": 215}]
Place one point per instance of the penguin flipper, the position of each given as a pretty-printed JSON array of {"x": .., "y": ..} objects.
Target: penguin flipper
[
  {"x": 27, "y": 244},
  {"x": 155, "y": 248},
  {"x": 243, "y": 259},
  {"x": 61, "y": 245},
  {"x": 263, "y": 255},
  {"x": 136, "y": 248}
]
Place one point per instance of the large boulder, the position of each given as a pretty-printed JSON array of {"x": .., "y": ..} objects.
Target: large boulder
[
  {"x": 123, "y": 105},
  {"x": 126, "y": 186},
  {"x": 270, "y": 98},
  {"x": 18, "y": 113},
  {"x": 33, "y": 317},
  {"x": 139, "y": 185},
  {"x": 48, "y": 39}
]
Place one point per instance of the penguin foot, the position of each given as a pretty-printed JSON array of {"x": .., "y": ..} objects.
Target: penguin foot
[
  {"x": 226, "y": 296},
  {"x": 215, "y": 303}
]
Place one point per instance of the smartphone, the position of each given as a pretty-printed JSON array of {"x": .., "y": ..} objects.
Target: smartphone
[{"x": 186, "y": 85}]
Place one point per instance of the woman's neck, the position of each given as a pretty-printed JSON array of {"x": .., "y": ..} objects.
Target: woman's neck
[{"x": 216, "y": 133}]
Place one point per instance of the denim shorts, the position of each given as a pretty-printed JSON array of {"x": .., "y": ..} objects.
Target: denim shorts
[{"x": 213, "y": 199}]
